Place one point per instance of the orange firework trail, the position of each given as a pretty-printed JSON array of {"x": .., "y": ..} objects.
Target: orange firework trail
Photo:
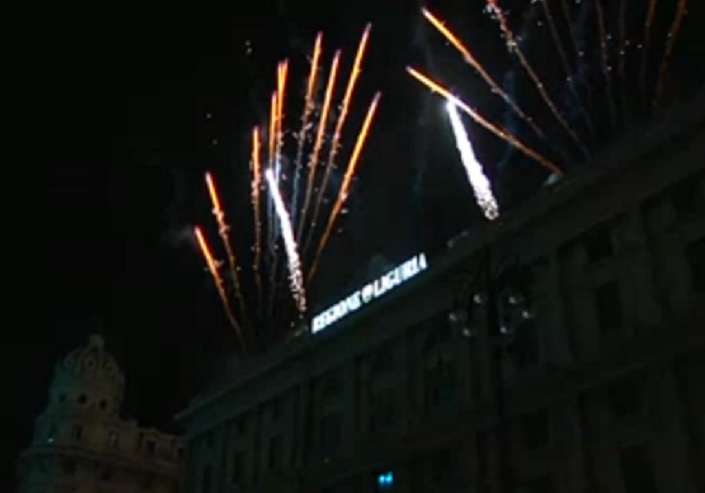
[
  {"x": 213, "y": 268},
  {"x": 272, "y": 136},
  {"x": 347, "y": 180},
  {"x": 513, "y": 47},
  {"x": 256, "y": 187},
  {"x": 282, "y": 72},
  {"x": 605, "y": 61},
  {"x": 345, "y": 107},
  {"x": 472, "y": 61},
  {"x": 670, "y": 43},
  {"x": 308, "y": 109},
  {"x": 650, "y": 13},
  {"x": 566, "y": 66},
  {"x": 319, "y": 139},
  {"x": 223, "y": 230},
  {"x": 480, "y": 120}
]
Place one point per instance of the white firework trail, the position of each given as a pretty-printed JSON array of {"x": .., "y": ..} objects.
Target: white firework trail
[
  {"x": 476, "y": 176},
  {"x": 296, "y": 277}
]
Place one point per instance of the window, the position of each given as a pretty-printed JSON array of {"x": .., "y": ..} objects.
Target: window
[
  {"x": 695, "y": 256},
  {"x": 526, "y": 344},
  {"x": 206, "y": 479},
  {"x": 51, "y": 433},
  {"x": 274, "y": 454},
  {"x": 69, "y": 468},
  {"x": 236, "y": 467},
  {"x": 103, "y": 405},
  {"x": 685, "y": 197},
  {"x": 77, "y": 432},
  {"x": 637, "y": 470},
  {"x": 151, "y": 446},
  {"x": 598, "y": 243},
  {"x": 275, "y": 410},
  {"x": 608, "y": 306},
  {"x": 113, "y": 439},
  {"x": 625, "y": 397},
  {"x": 536, "y": 430},
  {"x": 540, "y": 484},
  {"x": 331, "y": 429},
  {"x": 106, "y": 474},
  {"x": 180, "y": 453}
]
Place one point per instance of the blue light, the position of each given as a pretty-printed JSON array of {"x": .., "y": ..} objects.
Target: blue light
[{"x": 385, "y": 480}]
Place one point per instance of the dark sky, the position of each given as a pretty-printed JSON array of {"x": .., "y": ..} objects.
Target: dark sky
[{"x": 107, "y": 140}]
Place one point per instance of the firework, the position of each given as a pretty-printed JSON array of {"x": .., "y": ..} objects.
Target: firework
[
  {"x": 267, "y": 158},
  {"x": 308, "y": 110},
  {"x": 218, "y": 280},
  {"x": 681, "y": 10},
  {"x": 335, "y": 142},
  {"x": 347, "y": 180},
  {"x": 513, "y": 47},
  {"x": 256, "y": 187},
  {"x": 604, "y": 59},
  {"x": 313, "y": 162},
  {"x": 223, "y": 230},
  {"x": 480, "y": 120},
  {"x": 476, "y": 176},
  {"x": 296, "y": 277}
]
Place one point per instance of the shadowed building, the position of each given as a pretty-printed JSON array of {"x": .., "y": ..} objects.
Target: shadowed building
[
  {"x": 80, "y": 443},
  {"x": 560, "y": 349}
]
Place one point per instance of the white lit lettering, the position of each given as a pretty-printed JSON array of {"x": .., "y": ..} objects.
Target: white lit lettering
[{"x": 370, "y": 292}]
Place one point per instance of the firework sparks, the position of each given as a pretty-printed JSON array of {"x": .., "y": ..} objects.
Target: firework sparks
[
  {"x": 648, "y": 22},
  {"x": 223, "y": 231},
  {"x": 623, "y": 52},
  {"x": 295, "y": 274},
  {"x": 308, "y": 110},
  {"x": 319, "y": 139},
  {"x": 256, "y": 187},
  {"x": 566, "y": 66},
  {"x": 681, "y": 10},
  {"x": 476, "y": 176},
  {"x": 472, "y": 61},
  {"x": 213, "y": 268},
  {"x": 480, "y": 120},
  {"x": 347, "y": 180},
  {"x": 513, "y": 47},
  {"x": 335, "y": 142},
  {"x": 282, "y": 72},
  {"x": 604, "y": 59}
]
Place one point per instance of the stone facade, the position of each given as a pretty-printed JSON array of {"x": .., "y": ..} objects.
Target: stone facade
[
  {"x": 560, "y": 349},
  {"x": 81, "y": 445}
]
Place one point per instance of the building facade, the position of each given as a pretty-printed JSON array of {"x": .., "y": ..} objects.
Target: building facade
[
  {"x": 561, "y": 349},
  {"x": 81, "y": 445}
]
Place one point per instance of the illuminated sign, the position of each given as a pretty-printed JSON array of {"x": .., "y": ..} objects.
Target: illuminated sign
[{"x": 370, "y": 292}]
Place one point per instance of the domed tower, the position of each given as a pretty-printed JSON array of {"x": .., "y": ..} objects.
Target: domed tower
[
  {"x": 80, "y": 441},
  {"x": 87, "y": 382}
]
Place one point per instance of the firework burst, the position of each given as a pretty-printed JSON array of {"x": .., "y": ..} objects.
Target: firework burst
[
  {"x": 283, "y": 220},
  {"x": 605, "y": 38}
]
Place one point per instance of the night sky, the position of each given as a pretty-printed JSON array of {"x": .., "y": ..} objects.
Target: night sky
[{"x": 115, "y": 112}]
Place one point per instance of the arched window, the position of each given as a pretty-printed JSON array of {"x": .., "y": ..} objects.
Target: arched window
[
  {"x": 440, "y": 372},
  {"x": 383, "y": 388}
]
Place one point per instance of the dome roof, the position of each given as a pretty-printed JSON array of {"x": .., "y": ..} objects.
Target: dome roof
[{"x": 91, "y": 363}]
